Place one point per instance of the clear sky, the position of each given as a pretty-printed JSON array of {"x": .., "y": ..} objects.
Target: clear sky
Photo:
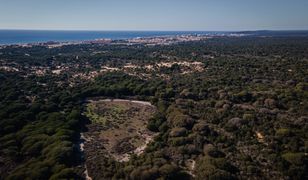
[{"x": 154, "y": 14}]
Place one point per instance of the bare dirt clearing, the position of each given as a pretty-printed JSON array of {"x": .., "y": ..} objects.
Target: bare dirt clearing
[{"x": 119, "y": 127}]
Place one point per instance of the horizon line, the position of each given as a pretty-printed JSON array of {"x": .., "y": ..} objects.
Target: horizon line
[{"x": 135, "y": 30}]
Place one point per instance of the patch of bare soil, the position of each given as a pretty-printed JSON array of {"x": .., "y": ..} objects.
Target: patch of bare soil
[{"x": 117, "y": 131}]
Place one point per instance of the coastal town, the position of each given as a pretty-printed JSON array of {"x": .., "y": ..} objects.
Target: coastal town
[{"x": 147, "y": 41}]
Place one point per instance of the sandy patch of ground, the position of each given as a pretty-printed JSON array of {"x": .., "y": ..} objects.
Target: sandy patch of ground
[
  {"x": 260, "y": 138},
  {"x": 9, "y": 69},
  {"x": 81, "y": 146},
  {"x": 57, "y": 71},
  {"x": 191, "y": 164},
  {"x": 121, "y": 126},
  {"x": 144, "y": 71},
  {"x": 108, "y": 69}
]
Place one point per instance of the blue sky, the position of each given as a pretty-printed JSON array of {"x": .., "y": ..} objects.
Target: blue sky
[{"x": 154, "y": 14}]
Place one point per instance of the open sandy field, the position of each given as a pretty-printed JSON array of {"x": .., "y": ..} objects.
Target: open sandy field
[{"x": 119, "y": 126}]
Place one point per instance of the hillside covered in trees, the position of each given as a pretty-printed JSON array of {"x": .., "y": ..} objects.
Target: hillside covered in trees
[{"x": 226, "y": 108}]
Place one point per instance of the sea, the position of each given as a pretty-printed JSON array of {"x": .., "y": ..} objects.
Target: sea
[
  {"x": 8, "y": 37},
  {"x": 37, "y": 36}
]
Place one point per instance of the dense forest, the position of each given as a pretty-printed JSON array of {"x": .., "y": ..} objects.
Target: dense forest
[{"x": 234, "y": 107}]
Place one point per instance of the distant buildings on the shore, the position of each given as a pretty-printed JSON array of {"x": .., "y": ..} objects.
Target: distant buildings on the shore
[{"x": 149, "y": 41}]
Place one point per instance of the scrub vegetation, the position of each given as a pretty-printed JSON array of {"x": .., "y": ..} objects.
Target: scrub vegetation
[{"x": 239, "y": 113}]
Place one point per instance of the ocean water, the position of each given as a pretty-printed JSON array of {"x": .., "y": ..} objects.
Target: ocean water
[{"x": 34, "y": 36}]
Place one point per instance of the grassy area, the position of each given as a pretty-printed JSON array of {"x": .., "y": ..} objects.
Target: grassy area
[
  {"x": 93, "y": 116},
  {"x": 104, "y": 114}
]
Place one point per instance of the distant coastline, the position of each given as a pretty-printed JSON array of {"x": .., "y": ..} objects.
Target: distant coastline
[{"x": 11, "y": 37}]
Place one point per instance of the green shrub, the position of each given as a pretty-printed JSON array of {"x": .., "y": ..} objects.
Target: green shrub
[{"x": 295, "y": 158}]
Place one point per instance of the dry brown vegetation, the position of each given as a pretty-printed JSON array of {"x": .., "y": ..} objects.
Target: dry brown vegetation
[{"x": 118, "y": 129}]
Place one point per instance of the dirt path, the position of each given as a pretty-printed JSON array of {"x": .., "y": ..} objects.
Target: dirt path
[
  {"x": 81, "y": 146},
  {"x": 125, "y": 100},
  {"x": 148, "y": 139}
]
